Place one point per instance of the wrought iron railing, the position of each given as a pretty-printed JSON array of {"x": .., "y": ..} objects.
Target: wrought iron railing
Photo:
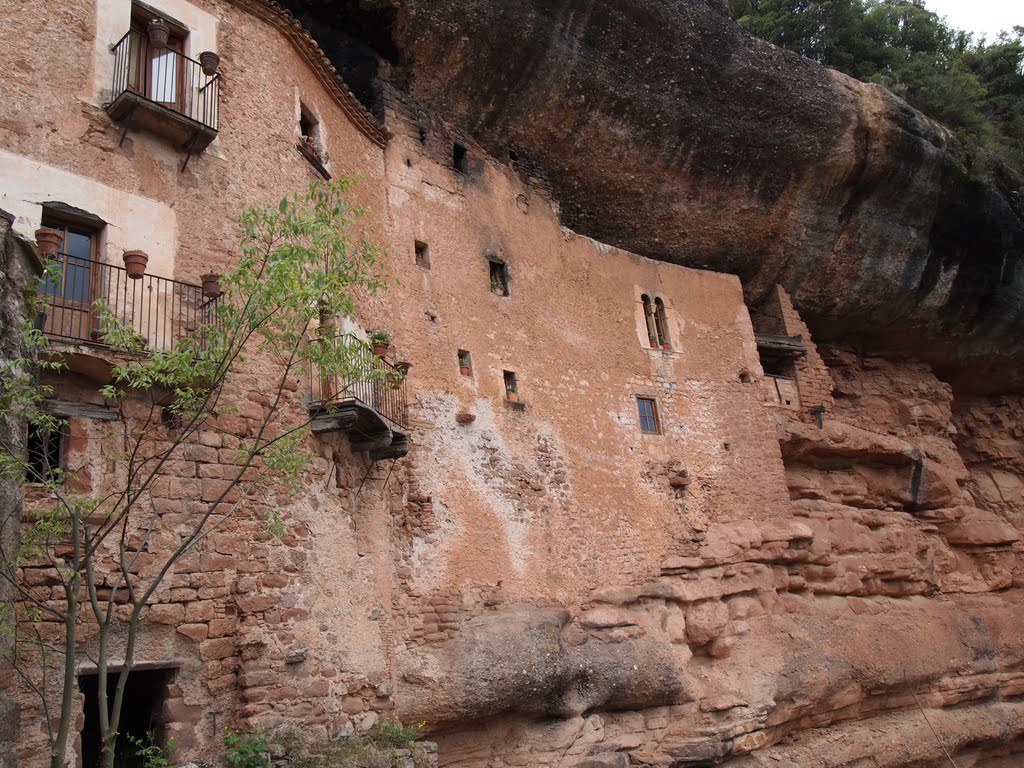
[
  {"x": 371, "y": 380},
  {"x": 165, "y": 77},
  {"x": 78, "y": 292}
]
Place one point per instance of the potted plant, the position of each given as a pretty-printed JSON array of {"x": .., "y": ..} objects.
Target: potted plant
[
  {"x": 208, "y": 62},
  {"x": 512, "y": 392},
  {"x": 381, "y": 341},
  {"x": 135, "y": 262},
  {"x": 399, "y": 375},
  {"x": 464, "y": 363},
  {"x": 48, "y": 240},
  {"x": 318, "y": 149},
  {"x": 211, "y": 285},
  {"x": 159, "y": 32}
]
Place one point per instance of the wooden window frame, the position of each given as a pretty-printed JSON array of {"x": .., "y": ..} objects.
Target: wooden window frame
[
  {"x": 654, "y": 416},
  {"x": 497, "y": 276},
  {"x": 41, "y": 475}
]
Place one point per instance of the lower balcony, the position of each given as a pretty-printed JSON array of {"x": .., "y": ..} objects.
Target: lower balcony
[
  {"x": 370, "y": 405},
  {"x": 77, "y": 292}
]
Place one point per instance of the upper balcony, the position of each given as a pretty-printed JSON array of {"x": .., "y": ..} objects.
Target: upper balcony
[
  {"x": 369, "y": 404},
  {"x": 77, "y": 291},
  {"x": 159, "y": 89}
]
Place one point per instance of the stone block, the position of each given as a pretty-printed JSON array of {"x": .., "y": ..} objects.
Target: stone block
[
  {"x": 199, "y": 612},
  {"x": 173, "y": 613},
  {"x": 257, "y": 603},
  {"x": 706, "y": 621},
  {"x": 221, "y": 648},
  {"x": 194, "y": 631}
]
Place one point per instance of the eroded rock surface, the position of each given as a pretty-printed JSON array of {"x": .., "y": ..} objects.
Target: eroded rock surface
[{"x": 889, "y": 596}]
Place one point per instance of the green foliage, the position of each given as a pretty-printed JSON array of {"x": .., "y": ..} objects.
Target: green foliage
[
  {"x": 301, "y": 263},
  {"x": 976, "y": 88},
  {"x": 380, "y": 336},
  {"x": 246, "y": 749},
  {"x": 389, "y": 744},
  {"x": 149, "y": 752},
  {"x": 391, "y": 733}
]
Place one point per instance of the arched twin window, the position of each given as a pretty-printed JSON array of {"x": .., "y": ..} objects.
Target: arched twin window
[{"x": 657, "y": 324}]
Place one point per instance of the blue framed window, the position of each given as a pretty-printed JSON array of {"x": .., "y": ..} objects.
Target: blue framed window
[{"x": 648, "y": 409}]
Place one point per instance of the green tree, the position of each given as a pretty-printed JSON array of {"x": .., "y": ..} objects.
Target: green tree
[
  {"x": 975, "y": 89},
  {"x": 299, "y": 262}
]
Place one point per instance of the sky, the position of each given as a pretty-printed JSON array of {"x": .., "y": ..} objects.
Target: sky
[{"x": 986, "y": 17}]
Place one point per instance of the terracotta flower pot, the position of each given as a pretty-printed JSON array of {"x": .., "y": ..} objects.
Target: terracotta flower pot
[
  {"x": 464, "y": 370},
  {"x": 512, "y": 395},
  {"x": 48, "y": 240},
  {"x": 159, "y": 32},
  {"x": 208, "y": 62},
  {"x": 211, "y": 285},
  {"x": 380, "y": 349},
  {"x": 135, "y": 262}
]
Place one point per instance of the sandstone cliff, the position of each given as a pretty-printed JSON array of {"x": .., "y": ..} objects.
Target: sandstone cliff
[
  {"x": 666, "y": 129},
  {"x": 883, "y": 605}
]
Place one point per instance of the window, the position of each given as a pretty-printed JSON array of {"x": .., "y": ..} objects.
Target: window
[
  {"x": 71, "y": 280},
  {"x": 308, "y": 125},
  {"x": 511, "y": 386},
  {"x": 498, "y": 272},
  {"x": 158, "y": 72},
  {"x": 465, "y": 363},
  {"x": 661, "y": 323},
  {"x": 656, "y": 322},
  {"x": 649, "y": 422},
  {"x": 459, "y": 162},
  {"x": 45, "y": 449},
  {"x": 422, "y": 255},
  {"x": 311, "y": 140}
]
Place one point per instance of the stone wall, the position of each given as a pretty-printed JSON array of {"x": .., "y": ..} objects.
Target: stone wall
[{"x": 18, "y": 266}]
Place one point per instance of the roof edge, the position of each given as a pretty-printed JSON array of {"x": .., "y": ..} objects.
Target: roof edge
[{"x": 272, "y": 13}]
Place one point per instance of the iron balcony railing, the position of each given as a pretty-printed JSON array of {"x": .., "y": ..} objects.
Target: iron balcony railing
[
  {"x": 78, "y": 292},
  {"x": 372, "y": 381},
  {"x": 165, "y": 77}
]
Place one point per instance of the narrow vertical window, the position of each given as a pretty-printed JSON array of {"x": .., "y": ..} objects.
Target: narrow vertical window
[
  {"x": 465, "y": 363},
  {"x": 648, "y": 409},
  {"x": 511, "y": 386},
  {"x": 422, "y": 255},
  {"x": 311, "y": 137},
  {"x": 661, "y": 324},
  {"x": 45, "y": 449},
  {"x": 459, "y": 162},
  {"x": 652, "y": 331},
  {"x": 71, "y": 283},
  {"x": 498, "y": 273}
]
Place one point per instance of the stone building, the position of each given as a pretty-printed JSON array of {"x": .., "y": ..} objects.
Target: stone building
[{"x": 596, "y": 515}]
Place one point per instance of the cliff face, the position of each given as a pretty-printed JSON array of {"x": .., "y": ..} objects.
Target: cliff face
[
  {"x": 817, "y": 632},
  {"x": 668, "y": 130}
]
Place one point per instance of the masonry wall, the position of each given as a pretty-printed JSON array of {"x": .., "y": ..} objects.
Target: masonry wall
[
  {"x": 236, "y": 618},
  {"x": 18, "y": 268}
]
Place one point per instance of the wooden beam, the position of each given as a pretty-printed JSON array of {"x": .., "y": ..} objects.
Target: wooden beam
[
  {"x": 79, "y": 410},
  {"x": 372, "y": 442},
  {"x": 340, "y": 421}
]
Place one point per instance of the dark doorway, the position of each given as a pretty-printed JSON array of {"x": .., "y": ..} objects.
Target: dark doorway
[{"x": 141, "y": 712}]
